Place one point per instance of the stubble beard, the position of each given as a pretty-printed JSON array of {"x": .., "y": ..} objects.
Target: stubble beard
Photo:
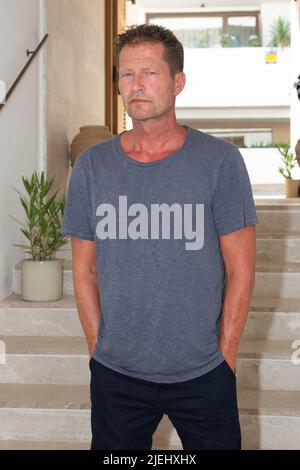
[{"x": 145, "y": 115}]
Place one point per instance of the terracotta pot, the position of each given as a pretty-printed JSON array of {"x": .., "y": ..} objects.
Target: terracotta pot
[
  {"x": 42, "y": 281},
  {"x": 291, "y": 187},
  {"x": 88, "y": 136}
]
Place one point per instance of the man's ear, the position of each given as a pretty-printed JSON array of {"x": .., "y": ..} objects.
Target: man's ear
[{"x": 180, "y": 80}]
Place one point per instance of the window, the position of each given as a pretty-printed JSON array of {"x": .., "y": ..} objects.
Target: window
[
  {"x": 241, "y": 29},
  {"x": 194, "y": 32},
  {"x": 227, "y": 29}
]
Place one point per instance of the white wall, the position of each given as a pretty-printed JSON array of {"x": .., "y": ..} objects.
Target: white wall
[
  {"x": 235, "y": 77},
  {"x": 262, "y": 165},
  {"x": 294, "y": 73},
  {"x": 135, "y": 13},
  {"x": 75, "y": 77},
  {"x": 21, "y": 123}
]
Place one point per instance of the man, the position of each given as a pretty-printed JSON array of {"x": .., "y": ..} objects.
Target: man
[{"x": 155, "y": 214}]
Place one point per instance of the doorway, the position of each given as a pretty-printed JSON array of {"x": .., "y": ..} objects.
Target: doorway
[{"x": 115, "y": 20}]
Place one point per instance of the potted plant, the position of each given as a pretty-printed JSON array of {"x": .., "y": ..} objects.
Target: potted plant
[
  {"x": 280, "y": 36},
  {"x": 41, "y": 273},
  {"x": 254, "y": 40},
  {"x": 280, "y": 32},
  {"x": 291, "y": 185},
  {"x": 225, "y": 40}
]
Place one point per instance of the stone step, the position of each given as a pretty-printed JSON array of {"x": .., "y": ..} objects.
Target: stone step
[
  {"x": 283, "y": 246},
  {"x": 270, "y": 212},
  {"x": 42, "y": 445},
  {"x": 269, "y": 318},
  {"x": 278, "y": 203},
  {"x": 273, "y": 279},
  {"x": 278, "y": 219},
  {"x": 46, "y": 445},
  {"x": 64, "y": 360},
  {"x": 279, "y": 247},
  {"x": 268, "y": 365},
  {"x": 44, "y": 396},
  {"x": 273, "y": 318},
  {"x": 272, "y": 326},
  {"x": 61, "y": 418},
  {"x": 279, "y": 244},
  {"x": 56, "y": 318},
  {"x": 270, "y": 420},
  {"x": 44, "y": 359}
]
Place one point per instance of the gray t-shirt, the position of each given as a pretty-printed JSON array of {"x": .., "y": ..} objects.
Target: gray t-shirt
[{"x": 156, "y": 227}]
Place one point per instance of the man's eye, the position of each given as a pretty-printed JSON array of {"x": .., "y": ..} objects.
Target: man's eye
[
  {"x": 150, "y": 73},
  {"x": 126, "y": 75}
]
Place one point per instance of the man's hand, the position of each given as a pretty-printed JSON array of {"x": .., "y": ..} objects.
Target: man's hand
[
  {"x": 230, "y": 357},
  {"x": 91, "y": 348}
]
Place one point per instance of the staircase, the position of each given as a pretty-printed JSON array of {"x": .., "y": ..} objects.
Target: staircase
[{"x": 44, "y": 385}]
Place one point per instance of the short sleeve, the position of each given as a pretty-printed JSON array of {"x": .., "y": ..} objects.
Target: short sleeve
[
  {"x": 233, "y": 203},
  {"x": 77, "y": 215}
]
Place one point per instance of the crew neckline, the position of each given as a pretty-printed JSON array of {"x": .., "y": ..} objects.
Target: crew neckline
[{"x": 121, "y": 153}]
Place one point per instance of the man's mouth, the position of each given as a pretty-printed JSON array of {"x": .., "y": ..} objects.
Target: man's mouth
[{"x": 137, "y": 100}]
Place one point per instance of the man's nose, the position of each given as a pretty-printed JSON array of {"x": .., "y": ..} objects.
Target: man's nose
[{"x": 137, "y": 83}]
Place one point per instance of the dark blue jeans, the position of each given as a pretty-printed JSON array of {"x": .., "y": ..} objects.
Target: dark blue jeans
[{"x": 126, "y": 411}]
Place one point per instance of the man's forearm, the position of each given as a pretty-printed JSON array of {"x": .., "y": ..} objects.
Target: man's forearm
[
  {"x": 88, "y": 304},
  {"x": 236, "y": 303}
]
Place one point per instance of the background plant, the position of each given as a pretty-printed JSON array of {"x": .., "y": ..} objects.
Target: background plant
[
  {"x": 288, "y": 159},
  {"x": 43, "y": 218},
  {"x": 254, "y": 40},
  {"x": 280, "y": 32},
  {"x": 202, "y": 39},
  {"x": 226, "y": 40}
]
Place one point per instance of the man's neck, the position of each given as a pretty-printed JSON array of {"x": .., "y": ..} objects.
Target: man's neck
[{"x": 146, "y": 142}]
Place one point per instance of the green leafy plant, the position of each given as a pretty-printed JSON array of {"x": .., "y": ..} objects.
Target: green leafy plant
[
  {"x": 288, "y": 159},
  {"x": 43, "y": 218},
  {"x": 225, "y": 40},
  {"x": 254, "y": 40},
  {"x": 202, "y": 40},
  {"x": 280, "y": 33}
]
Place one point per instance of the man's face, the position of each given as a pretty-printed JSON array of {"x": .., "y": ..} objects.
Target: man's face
[{"x": 145, "y": 83}]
